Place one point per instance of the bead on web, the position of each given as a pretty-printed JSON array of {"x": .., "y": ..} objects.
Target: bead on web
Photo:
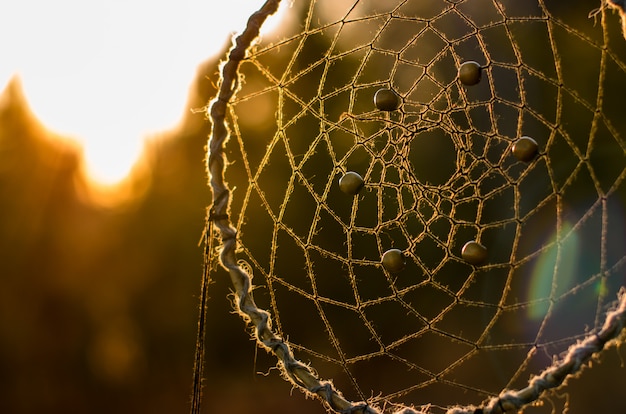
[
  {"x": 393, "y": 260},
  {"x": 351, "y": 183},
  {"x": 474, "y": 253},
  {"x": 386, "y": 100},
  {"x": 470, "y": 73},
  {"x": 525, "y": 149}
]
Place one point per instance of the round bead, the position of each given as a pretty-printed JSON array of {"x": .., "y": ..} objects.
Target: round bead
[
  {"x": 470, "y": 73},
  {"x": 393, "y": 260},
  {"x": 474, "y": 253},
  {"x": 525, "y": 149},
  {"x": 351, "y": 183},
  {"x": 386, "y": 100}
]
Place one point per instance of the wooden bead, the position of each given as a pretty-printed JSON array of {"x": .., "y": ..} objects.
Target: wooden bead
[
  {"x": 474, "y": 253},
  {"x": 393, "y": 260},
  {"x": 525, "y": 149},
  {"x": 470, "y": 73},
  {"x": 351, "y": 183},
  {"x": 386, "y": 100}
]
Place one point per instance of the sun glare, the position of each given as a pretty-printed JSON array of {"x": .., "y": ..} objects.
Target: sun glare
[{"x": 110, "y": 73}]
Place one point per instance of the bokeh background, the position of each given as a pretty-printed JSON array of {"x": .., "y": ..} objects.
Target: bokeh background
[{"x": 99, "y": 290}]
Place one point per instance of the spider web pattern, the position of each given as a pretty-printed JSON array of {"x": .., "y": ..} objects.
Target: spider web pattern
[{"x": 438, "y": 172}]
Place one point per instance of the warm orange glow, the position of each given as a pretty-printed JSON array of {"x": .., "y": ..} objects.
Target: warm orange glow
[
  {"x": 123, "y": 192},
  {"x": 110, "y": 74}
]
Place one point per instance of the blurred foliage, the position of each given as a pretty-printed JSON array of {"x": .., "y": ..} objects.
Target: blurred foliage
[{"x": 98, "y": 301}]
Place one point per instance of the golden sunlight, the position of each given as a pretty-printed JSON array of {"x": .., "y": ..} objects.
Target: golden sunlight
[{"x": 109, "y": 73}]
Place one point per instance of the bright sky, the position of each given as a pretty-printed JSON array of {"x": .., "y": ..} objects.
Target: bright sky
[{"x": 109, "y": 72}]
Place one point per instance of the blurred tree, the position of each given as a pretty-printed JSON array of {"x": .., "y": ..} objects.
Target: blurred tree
[{"x": 98, "y": 304}]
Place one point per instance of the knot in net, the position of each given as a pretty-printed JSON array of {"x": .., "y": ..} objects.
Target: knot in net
[{"x": 430, "y": 196}]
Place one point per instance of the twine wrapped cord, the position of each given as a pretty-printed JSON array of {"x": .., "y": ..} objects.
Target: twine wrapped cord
[
  {"x": 298, "y": 373},
  {"x": 575, "y": 358}
]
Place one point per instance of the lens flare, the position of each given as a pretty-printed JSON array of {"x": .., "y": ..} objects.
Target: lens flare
[{"x": 547, "y": 269}]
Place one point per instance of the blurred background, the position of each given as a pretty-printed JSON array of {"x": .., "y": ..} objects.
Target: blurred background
[
  {"x": 99, "y": 286},
  {"x": 99, "y": 295}
]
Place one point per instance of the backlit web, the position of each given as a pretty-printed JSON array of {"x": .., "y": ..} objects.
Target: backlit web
[{"x": 438, "y": 172}]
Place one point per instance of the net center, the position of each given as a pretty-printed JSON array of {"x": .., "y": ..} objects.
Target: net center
[{"x": 433, "y": 156}]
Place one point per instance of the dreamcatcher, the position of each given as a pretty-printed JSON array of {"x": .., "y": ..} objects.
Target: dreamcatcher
[{"x": 429, "y": 195}]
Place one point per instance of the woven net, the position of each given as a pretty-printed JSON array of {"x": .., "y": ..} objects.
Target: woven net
[{"x": 438, "y": 171}]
